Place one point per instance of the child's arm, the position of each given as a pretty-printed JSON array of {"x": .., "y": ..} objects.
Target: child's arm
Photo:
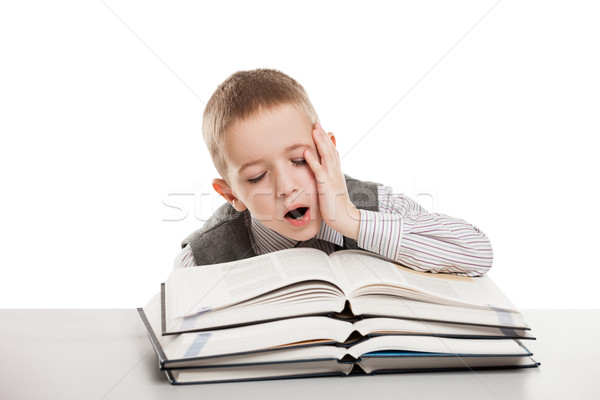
[
  {"x": 402, "y": 230},
  {"x": 407, "y": 233}
]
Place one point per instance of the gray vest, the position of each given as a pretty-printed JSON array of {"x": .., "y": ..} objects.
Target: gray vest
[{"x": 226, "y": 235}]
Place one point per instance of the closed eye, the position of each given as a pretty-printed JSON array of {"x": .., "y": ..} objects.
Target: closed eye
[
  {"x": 257, "y": 179},
  {"x": 298, "y": 163}
]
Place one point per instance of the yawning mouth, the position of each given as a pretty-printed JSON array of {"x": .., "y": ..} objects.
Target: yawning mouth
[{"x": 297, "y": 213}]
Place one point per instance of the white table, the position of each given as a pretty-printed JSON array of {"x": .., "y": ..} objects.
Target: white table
[{"x": 105, "y": 354}]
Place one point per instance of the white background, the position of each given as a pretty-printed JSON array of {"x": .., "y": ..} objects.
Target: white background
[{"x": 491, "y": 107}]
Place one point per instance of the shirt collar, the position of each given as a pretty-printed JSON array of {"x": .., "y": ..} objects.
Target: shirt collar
[{"x": 267, "y": 240}]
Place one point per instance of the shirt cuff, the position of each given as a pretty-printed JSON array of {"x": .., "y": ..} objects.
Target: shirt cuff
[
  {"x": 185, "y": 258},
  {"x": 380, "y": 233}
]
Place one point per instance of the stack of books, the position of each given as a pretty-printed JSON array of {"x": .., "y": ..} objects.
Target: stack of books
[{"x": 301, "y": 313}]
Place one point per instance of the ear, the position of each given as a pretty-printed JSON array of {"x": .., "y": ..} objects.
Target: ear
[
  {"x": 332, "y": 137},
  {"x": 224, "y": 190}
]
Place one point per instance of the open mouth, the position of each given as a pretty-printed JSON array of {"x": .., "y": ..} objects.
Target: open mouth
[
  {"x": 297, "y": 213},
  {"x": 298, "y": 217}
]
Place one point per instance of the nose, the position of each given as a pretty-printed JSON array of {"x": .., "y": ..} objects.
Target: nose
[{"x": 286, "y": 184}]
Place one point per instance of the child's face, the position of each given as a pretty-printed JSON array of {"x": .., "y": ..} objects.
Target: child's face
[{"x": 268, "y": 173}]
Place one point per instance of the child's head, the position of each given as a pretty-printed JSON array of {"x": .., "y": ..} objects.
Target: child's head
[
  {"x": 257, "y": 125},
  {"x": 242, "y": 96}
]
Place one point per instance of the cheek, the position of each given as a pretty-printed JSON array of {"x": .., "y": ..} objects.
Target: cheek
[
  {"x": 309, "y": 171},
  {"x": 260, "y": 201},
  {"x": 309, "y": 181}
]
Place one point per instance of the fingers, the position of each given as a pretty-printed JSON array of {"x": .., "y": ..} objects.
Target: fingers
[
  {"x": 326, "y": 161},
  {"x": 321, "y": 134},
  {"x": 325, "y": 146},
  {"x": 315, "y": 165}
]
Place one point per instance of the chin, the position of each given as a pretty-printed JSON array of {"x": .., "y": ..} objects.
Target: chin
[{"x": 306, "y": 234}]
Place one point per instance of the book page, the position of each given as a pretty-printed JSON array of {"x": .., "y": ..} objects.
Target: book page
[
  {"x": 356, "y": 271},
  {"x": 268, "y": 335},
  {"x": 204, "y": 288},
  {"x": 362, "y": 269},
  {"x": 439, "y": 345},
  {"x": 302, "y": 262}
]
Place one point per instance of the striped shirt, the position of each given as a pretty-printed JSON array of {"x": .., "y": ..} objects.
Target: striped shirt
[{"x": 401, "y": 230}]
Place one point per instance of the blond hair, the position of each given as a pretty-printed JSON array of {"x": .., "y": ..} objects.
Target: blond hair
[{"x": 242, "y": 95}]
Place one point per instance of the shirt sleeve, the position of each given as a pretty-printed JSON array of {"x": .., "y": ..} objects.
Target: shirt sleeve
[
  {"x": 185, "y": 258},
  {"x": 407, "y": 233}
]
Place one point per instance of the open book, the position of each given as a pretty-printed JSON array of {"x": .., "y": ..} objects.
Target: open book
[
  {"x": 303, "y": 282},
  {"x": 320, "y": 345}
]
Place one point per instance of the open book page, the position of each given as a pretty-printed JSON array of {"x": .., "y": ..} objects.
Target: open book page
[
  {"x": 305, "y": 263},
  {"x": 423, "y": 361},
  {"x": 315, "y": 352},
  {"x": 269, "y": 371},
  {"x": 356, "y": 270},
  {"x": 280, "y": 334},
  {"x": 195, "y": 290},
  {"x": 405, "y": 308},
  {"x": 432, "y": 344},
  {"x": 362, "y": 269},
  {"x": 401, "y": 326},
  {"x": 258, "y": 337}
]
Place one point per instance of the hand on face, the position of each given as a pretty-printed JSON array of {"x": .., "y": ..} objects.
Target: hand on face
[{"x": 334, "y": 202}]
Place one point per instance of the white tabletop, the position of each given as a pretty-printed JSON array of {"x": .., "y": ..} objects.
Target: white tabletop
[{"x": 105, "y": 354}]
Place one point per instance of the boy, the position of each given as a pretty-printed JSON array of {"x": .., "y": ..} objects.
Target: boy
[{"x": 281, "y": 176}]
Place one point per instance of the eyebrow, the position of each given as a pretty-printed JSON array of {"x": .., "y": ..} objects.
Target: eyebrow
[{"x": 287, "y": 150}]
